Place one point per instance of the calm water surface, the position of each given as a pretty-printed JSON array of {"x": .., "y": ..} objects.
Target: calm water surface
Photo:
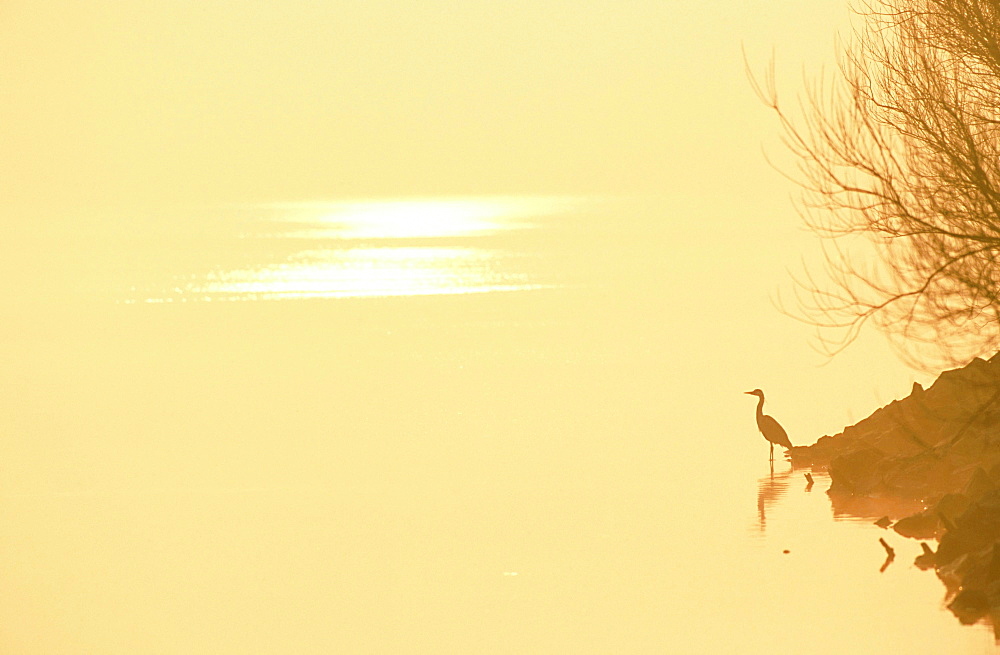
[{"x": 469, "y": 425}]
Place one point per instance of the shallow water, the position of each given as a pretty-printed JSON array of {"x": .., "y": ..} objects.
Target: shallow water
[{"x": 449, "y": 425}]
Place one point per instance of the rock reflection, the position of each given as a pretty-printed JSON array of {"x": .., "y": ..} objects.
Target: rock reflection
[
  {"x": 890, "y": 555},
  {"x": 850, "y": 507}
]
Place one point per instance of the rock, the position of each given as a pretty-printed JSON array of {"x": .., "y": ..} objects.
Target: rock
[
  {"x": 951, "y": 506},
  {"x": 979, "y": 484},
  {"x": 858, "y": 472},
  {"x": 926, "y": 560},
  {"x": 975, "y": 529},
  {"x": 924, "y": 525},
  {"x": 969, "y": 605}
]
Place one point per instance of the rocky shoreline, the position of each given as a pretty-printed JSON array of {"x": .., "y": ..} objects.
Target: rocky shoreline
[{"x": 938, "y": 447}]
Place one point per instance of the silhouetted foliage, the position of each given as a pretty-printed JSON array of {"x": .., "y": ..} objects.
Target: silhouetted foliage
[{"x": 904, "y": 148}]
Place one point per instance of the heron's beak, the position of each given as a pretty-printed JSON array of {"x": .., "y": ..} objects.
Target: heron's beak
[{"x": 749, "y": 393}]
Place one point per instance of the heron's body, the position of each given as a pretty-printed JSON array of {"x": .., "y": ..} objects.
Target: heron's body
[{"x": 768, "y": 427}]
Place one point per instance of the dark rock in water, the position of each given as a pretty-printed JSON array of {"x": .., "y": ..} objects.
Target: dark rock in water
[
  {"x": 983, "y": 569},
  {"x": 970, "y": 605},
  {"x": 858, "y": 472},
  {"x": 975, "y": 529},
  {"x": 979, "y": 484},
  {"x": 932, "y": 522},
  {"x": 921, "y": 476},
  {"x": 951, "y": 506},
  {"x": 884, "y": 522},
  {"x": 953, "y": 572},
  {"x": 927, "y": 559},
  {"x": 993, "y": 594},
  {"x": 924, "y": 525}
]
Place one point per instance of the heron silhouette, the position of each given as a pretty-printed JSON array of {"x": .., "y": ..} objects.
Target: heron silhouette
[{"x": 768, "y": 427}]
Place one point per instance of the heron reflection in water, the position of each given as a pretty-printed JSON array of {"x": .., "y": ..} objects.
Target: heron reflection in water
[
  {"x": 768, "y": 427},
  {"x": 771, "y": 488}
]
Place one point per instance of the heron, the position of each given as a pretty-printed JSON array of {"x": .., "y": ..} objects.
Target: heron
[{"x": 771, "y": 429}]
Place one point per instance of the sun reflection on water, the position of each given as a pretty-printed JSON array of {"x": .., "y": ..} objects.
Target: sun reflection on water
[
  {"x": 354, "y": 250},
  {"x": 415, "y": 218},
  {"x": 368, "y": 272}
]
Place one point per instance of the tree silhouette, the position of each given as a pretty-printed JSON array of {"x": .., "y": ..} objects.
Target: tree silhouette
[{"x": 899, "y": 160}]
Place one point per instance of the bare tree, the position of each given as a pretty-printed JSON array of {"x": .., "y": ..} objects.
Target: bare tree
[{"x": 903, "y": 150}]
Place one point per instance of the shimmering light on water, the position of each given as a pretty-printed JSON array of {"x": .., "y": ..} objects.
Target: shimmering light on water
[
  {"x": 414, "y": 218},
  {"x": 368, "y": 272},
  {"x": 376, "y": 248}
]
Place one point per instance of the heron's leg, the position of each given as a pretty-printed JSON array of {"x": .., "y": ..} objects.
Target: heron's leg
[{"x": 772, "y": 452}]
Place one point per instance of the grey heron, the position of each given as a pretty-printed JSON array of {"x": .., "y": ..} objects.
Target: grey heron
[{"x": 768, "y": 427}]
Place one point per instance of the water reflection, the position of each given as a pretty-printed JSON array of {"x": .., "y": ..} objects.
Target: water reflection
[
  {"x": 407, "y": 452},
  {"x": 420, "y": 218},
  {"x": 848, "y": 507},
  {"x": 368, "y": 272},
  {"x": 770, "y": 489},
  {"x": 364, "y": 249}
]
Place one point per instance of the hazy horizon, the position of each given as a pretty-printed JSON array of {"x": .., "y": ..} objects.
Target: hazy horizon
[{"x": 218, "y": 101}]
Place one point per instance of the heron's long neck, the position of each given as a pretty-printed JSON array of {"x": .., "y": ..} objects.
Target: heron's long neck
[{"x": 760, "y": 408}]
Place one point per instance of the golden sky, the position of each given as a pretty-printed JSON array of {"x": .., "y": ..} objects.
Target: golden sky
[{"x": 110, "y": 100}]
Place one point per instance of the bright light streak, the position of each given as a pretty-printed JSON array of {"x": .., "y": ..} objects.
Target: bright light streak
[
  {"x": 366, "y": 272},
  {"x": 354, "y": 250},
  {"x": 417, "y": 219}
]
